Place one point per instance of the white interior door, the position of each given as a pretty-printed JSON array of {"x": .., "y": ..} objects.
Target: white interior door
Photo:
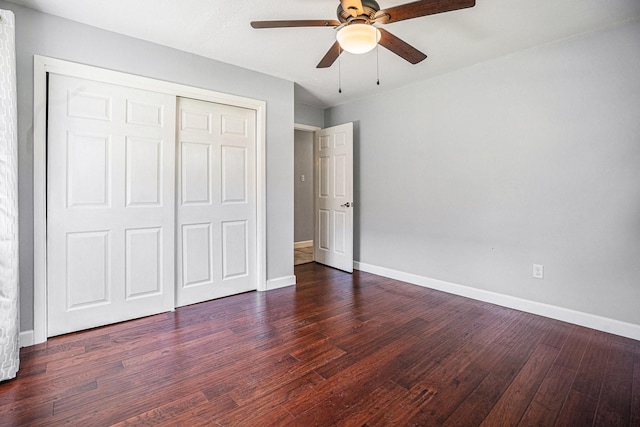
[
  {"x": 333, "y": 170},
  {"x": 216, "y": 201},
  {"x": 110, "y": 203}
]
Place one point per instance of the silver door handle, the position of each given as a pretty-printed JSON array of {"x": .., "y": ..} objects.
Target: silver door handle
[{"x": 347, "y": 205}]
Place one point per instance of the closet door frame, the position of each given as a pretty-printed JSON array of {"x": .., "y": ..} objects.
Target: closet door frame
[{"x": 43, "y": 66}]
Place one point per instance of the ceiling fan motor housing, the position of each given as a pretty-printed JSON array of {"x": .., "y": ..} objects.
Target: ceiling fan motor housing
[{"x": 370, "y": 8}]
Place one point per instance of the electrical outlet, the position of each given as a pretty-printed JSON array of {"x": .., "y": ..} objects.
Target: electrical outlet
[
  {"x": 538, "y": 271},
  {"x": 302, "y": 178}
]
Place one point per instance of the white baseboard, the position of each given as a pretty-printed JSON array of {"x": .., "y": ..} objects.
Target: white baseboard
[
  {"x": 281, "y": 282},
  {"x": 588, "y": 320},
  {"x": 26, "y": 338},
  {"x": 303, "y": 244}
]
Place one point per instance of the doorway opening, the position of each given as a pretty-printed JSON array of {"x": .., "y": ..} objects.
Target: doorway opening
[
  {"x": 332, "y": 188},
  {"x": 303, "y": 194}
]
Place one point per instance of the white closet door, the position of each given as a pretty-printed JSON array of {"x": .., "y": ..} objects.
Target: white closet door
[
  {"x": 110, "y": 204},
  {"x": 216, "y": 201}
]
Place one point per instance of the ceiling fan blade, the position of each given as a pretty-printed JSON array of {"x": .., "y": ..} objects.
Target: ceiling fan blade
[
  {"x": 354, "y": 7},
  {"x": 296, "y": 23},
  {"x": 420, "y": 8},
  {"x": 400, "y": 47},
  {"x": 330, "y": 57}
]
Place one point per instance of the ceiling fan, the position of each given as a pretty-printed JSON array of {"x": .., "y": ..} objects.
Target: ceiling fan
[{"x": 357, "y": 34}]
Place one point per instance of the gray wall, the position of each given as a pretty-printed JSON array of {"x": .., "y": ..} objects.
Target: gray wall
[
  {"x": 42, "y": 34},
  {"x": 307, "y": 115},
  {"x": 474, "y": 176},
  {"x": 303, "y": 190},
  {"x": 303, "y": 165}
]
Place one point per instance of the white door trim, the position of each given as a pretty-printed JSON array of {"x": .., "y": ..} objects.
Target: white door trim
[
  {"x": 44, "y": 65},
  {"x": 306, "y": 128}
]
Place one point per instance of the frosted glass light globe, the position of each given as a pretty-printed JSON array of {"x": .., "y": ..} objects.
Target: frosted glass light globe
[{"x": 358, "y": 38}]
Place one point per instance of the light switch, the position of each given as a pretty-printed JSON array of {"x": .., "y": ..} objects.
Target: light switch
[{"x": 302, "y": 178}]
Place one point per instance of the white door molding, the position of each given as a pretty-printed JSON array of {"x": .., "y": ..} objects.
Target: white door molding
[
  {"x": 45, "y": 65},
  {"x": 305, "y": 128}
]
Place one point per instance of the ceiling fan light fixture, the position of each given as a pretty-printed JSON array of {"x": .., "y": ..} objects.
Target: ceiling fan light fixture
[{"x": 358, "y": 38}]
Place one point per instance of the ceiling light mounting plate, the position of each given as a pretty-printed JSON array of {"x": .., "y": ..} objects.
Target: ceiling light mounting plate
[{"x": 369, "y": 9}]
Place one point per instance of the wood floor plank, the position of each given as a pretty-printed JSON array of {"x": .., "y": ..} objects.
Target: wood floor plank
[
  {"x": 635, "y": 399},
  {"x": 517, "y": 397},
  {"x": 344, "y": 389},
  {"x": 166, "y": 413},
  {"x": 461, "y": 373},
  {"x": 549, "y": 398},
  {"x": 614, "y": 407},
  {"x": 160, "y": 386},
  {"x": 260, "y": 408},
  {"x": 364, "y": 344},
  {"x": 202, "y": 415},
  {"x": 572, "y": 351},
  {"x": 372, "y": 409},
  {"x": 557, "y": 334},
  {"x": 336, "y": 349},
  {"x": 479, "y": 403},
  {"x": 59, "y": 353},
  {"x": 592, "y": 366},
  {"x": 443, "y": 342},
  {"x": 263, "y": 380},
  {"x": 152, "y": 392},
  {"x": 577, "y": 410},
  {"x": 402, "y": 410}
]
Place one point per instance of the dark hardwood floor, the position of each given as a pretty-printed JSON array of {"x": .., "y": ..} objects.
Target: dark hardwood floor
[{"x": 339, "y": 349}]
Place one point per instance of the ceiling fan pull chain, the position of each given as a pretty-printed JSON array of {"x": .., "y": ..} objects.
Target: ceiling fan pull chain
[
  {"x": 378, "y": 64},
  {"x": 339, "y": 71}
]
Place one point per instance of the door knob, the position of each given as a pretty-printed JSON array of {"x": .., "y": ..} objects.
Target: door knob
[{"x": 347, "y": 205}]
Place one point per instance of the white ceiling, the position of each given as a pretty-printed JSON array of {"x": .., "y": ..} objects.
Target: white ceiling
[{"x": 220, "y": 30}]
